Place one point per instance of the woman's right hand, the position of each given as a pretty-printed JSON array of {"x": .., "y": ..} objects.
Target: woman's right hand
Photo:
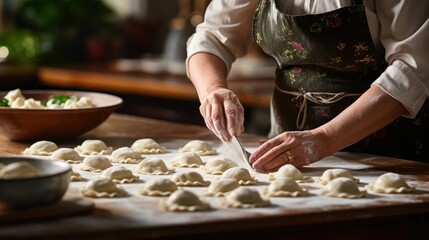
[{"x": 223, "y": 113}]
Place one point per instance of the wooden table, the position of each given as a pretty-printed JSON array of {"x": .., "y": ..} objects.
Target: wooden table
[{"x": 315, "y": 217}]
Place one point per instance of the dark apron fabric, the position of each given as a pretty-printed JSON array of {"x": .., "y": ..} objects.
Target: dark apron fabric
[{"x": 325, "y": 62}]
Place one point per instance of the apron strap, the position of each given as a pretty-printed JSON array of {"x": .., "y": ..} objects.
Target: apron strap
[{"x": 315, "y": 97}]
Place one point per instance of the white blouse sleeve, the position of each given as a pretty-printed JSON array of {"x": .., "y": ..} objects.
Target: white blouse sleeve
[
  {"x": 226, "y": 31},
  {"x": 404, "y": 39}
]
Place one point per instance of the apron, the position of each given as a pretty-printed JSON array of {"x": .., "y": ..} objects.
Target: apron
[{"x": 325, "y": 62}]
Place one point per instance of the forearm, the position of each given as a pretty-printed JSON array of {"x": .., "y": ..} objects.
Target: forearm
[
  {"x": 207, "y": 72},
  {"x": 371, "y": 112}
]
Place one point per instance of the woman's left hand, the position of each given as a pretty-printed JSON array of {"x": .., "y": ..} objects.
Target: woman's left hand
[{"x": 298, "y": 148}]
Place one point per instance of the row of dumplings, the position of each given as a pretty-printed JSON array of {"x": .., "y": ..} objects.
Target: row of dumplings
[
  {"x": 98, "y": 147},
  {"x": 284, "y": 182}
]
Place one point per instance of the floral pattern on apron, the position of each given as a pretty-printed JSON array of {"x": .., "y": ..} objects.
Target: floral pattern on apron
[{"x": 325, "y": 62}]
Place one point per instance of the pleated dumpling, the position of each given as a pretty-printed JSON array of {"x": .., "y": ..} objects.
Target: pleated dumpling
[
  {"x": 93, "y": 147},
  {"x": 342, "y": 187},
  {"x": 152, "y": 166},
  {"x": 95, "y": 163},
  {"x": 102, "y": 188},
  {"x": 66, "y": 154},
  {"x": 331, "y": 174},
  {"x": 147, "y": 146},
  {"x": 389, "y": 183},
  {"x": 183, "y": 200},
  {"x": 221, "y": 187},
  {"x": 289, "y": 171},
  {"x": 158, "y": 187},
  {"x": 244, "y": 197},
  {"x": 284, "y": 187},
  {"x": 199, "y": 147},
  {"x": 241, "y": 175},
  {"x": 189, "y": 179},
  {"x": 217, "y": 166},
  {"x": 187, "y": 160},
  {"x": 41, "y": 148},
  {"x": 125, "y": 155},
  {"x": 119, "y": 174}
]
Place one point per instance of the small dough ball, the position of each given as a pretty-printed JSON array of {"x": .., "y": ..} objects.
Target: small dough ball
[
  {"x": 199, "y": 147},
  {"x": 147, "y": 146},
  {"x": 390, "y": 183},
  {"x": 96, "y": 163},
  {"x": 93, "y": 147},
  {"x": 241, "y": 175},
  {"x": 183, "y": 200},
  {"x": 217, "y": 166},
  {"x": 342, "y": 187},
  {"x": 187, "y": 160},
  {"x": 158, "y": 187},
  {"x": 41, "y": 148}
]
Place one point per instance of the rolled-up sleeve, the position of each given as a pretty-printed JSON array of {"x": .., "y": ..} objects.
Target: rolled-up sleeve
[
  {"x": 404, "y": 34},
  {"x": 226, "y": 31}
]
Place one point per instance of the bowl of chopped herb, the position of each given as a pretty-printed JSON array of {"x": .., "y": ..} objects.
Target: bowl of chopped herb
[{"x": 30, "y": 115}]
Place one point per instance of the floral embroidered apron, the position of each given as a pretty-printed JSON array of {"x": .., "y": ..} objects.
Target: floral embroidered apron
[{"x": 325, "y": 62}]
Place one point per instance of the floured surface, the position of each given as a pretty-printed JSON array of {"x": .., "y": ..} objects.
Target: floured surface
[{"x": 138, "y": 211}]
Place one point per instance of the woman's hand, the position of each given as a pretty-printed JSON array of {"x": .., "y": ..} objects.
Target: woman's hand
[
  {"x": 223, "y": 113},
  {"x": 298, "y": 148}
]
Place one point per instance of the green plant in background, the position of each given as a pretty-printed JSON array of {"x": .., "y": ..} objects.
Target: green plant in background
[{"x": 58, "y": 31}]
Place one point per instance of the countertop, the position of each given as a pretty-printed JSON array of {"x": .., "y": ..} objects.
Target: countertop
[{"x": 399, "y": 216}]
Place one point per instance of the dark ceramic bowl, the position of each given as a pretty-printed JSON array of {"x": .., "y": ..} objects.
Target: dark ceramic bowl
[
  {"x": 46, "y": 189},
  {"x": 55, "y": 124}
]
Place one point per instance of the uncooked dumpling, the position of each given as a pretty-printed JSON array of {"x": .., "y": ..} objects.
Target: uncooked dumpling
[
  {"x": 125, "y": 155},
  {"x": 119, "y": 174},
  {"x": 183, "y": 200},
  {"x": 331, "y": 174},
  {"x": 389, "y": 183},
  {"x": 189, "y": 179},
  {"x": 342, "y": 187},
  {"x": 19, "y": 169},
  {"x": 75, "y": 176},
  {"x": 41, "y": 148},
  {"x": 147, "y": 146},
  {"x": 93, "y": 147},
  {"x": 221, "y": 187},
  {"x": 217, "y": 166},
  {"x": 66, "y": 154},
  {"x": 290, "y": 171},
  {"x": 244, "y": 197},
  {"x": 158, "y": 187},
  {"x": 187, "y": 160},
  {"x": 199, "y": 147},
  {"x": 152, "y": 166},
  {"x": 241, "y": 175},
  {"x": 95, "y": 163},
  {"x": 102, "y": 188},
  {"x": 284, "y": 187}
]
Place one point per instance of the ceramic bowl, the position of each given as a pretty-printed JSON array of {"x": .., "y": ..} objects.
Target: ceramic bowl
[
  {"x": 55, "y": 124},
  {"x": 48, "y": 188}
]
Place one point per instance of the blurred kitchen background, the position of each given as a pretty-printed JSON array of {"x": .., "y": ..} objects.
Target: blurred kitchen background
[{"x": 131, "y": 48}]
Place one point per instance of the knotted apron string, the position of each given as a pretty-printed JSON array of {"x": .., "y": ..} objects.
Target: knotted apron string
[{"x": 315, "y": 97}]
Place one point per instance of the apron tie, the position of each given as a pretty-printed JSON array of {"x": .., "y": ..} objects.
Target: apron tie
[{"x": 315, "y": 97}]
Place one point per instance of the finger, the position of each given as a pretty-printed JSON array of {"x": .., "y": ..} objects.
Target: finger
[
  {"x": 205, "y": 112},
  {"x": 240, "y": 119},
  {"x": 231, "y": 113},
  {"x": 219, "y": 124}
]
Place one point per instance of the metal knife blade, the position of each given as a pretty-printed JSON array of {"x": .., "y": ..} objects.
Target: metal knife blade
[{"x": 239, "y": 150}]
